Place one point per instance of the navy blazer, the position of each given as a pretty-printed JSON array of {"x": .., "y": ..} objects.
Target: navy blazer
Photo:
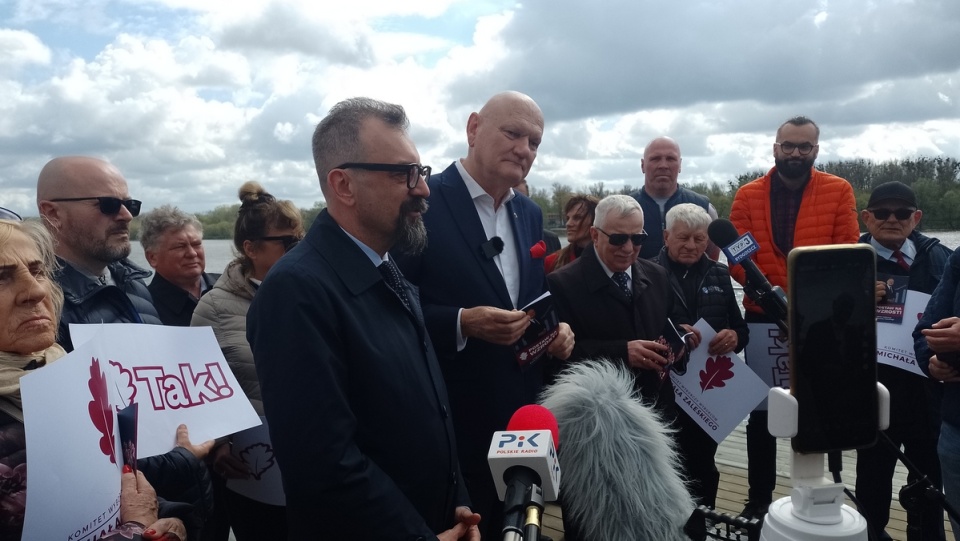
[
  {"x": 354, "y": 397},
  {"x": 486, "y": 384}
]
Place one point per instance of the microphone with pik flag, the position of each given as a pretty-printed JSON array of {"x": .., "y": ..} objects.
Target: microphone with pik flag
[
  {"x": 738, "y": 249},
  {"x": 523, "y": 461}
]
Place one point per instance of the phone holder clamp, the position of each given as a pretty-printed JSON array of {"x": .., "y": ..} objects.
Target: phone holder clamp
[{"x": 815, "y": 508}]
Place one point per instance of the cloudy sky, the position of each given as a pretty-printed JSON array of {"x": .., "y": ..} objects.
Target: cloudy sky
[{"x": 189, "y": 98}]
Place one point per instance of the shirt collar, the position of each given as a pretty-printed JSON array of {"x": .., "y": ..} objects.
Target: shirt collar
[
  {"x": 909, "y": 249},
  {"x": 368, "y": 251}
]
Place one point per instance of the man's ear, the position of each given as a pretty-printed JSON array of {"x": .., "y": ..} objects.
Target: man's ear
[
  {"x": 151, "y": 258},
  {"x": 50, "y": 214},
  {"x": 473, "y": 124},
  {"x": 342, "y": 186}
]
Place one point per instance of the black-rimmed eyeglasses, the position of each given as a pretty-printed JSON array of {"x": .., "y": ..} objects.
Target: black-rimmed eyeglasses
[
  {"x": 900, "y": 214},
  {"x": 414, "y": 171},
  {"x": 108, "y": 205},
  {"x": 803, "y": 148},
  {"x": 7, "y": 214},
  {"x": 619, "y": 239},
  {"x": 289, "y": 241}
]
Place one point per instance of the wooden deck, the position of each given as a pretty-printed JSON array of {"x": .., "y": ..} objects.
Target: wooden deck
[{"x": 732, "y": 463}]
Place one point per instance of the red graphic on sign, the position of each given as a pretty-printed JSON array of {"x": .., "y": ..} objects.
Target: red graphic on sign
[
  {"x": 259, "y": 457},
  {"x": 100, "y": 411},
  {"x": 716, "y": 373}
]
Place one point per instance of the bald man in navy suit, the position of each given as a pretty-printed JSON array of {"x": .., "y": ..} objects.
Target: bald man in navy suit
[{"x": 476, "y": 271}]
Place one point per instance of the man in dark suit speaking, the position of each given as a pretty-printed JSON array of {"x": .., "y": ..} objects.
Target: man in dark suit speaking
[
  {"x": 476, "y": 271},
  {"x": 352, "y": 391}
]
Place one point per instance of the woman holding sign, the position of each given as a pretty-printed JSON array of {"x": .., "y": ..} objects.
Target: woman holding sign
[
  {"x": 30, "y": 306},
  {"x": 701, "y": 288}
]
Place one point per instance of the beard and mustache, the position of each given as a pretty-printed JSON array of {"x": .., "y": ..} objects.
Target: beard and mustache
[
  {"x": 794, "y": 168},
  {"x": 411, "y": 235}
]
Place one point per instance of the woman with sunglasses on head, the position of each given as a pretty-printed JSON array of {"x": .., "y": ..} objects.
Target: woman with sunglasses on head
[{"x": 265, "y": 230}]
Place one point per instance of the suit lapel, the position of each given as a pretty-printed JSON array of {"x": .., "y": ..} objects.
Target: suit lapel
[
  {"x": 463, "y": 213},
  {"x": 597, "y": 280}
]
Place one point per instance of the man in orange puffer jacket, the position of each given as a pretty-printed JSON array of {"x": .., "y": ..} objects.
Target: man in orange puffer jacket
[{"x": 792, "y": 205}]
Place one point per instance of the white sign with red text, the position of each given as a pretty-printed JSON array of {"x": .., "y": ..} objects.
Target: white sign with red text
[
  {"x": 895, "y": 340},
  {"x": 716, "y": 391},
  {"x": 177, "y": 375},
  {"x": 73, "y": 449}
]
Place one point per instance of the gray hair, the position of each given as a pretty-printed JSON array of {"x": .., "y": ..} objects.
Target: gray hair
[
  {"x": 43, "y": 240},
  {"x": 689, "y": 214},
  {"x": 621, "y": 205},
  {"x": 336, "y": 139},
  {"x": 162, "y": 219}
]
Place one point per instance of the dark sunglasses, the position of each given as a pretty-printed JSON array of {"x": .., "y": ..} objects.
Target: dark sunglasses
[
  {"x": 289, "y": 241},
  {"x": 619, "y": 239},
  {"x": 108, "y": 205},
  {"x": 7, "y": 214},
  {"x": 900, "y": 214}
]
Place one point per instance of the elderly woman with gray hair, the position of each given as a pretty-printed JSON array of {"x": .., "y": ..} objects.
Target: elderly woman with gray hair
[
  {"x": 30, "y": 306},
  {"x": 701, "y": 288}
]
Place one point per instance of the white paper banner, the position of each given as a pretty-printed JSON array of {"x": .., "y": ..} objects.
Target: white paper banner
[
  {"x": 73, "y": 448},
  {"x": 768, "y": 356},
  {"x": 253, "y": 447},
  {"x": 177, "y": 375},
  {"x": 895, "y": 340},
  {"x": 716, "y": 391}
]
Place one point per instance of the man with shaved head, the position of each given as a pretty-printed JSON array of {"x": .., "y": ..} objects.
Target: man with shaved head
[
  {"x": 86, "y": 205},
  {"x": 661, "y": 192},
  {"x": 475, "y": 273}
]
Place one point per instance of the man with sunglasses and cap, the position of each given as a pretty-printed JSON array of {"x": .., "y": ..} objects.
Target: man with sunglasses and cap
[
  {"x": 86, "y": 205},
  {"x": 891, "y": 218}
]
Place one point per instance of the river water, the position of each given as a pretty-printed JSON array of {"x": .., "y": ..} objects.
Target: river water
[{"x": 220, "y": 252}]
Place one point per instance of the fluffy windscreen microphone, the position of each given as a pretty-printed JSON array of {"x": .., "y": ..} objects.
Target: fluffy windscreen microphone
[
  {"x": 535, "y": 417},
  {"x": 621, "y": 475}
]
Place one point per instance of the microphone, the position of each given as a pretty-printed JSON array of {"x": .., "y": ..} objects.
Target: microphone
[
  {"x": 523, "y": 461},
  {"x": 738, "y": 249},
  {"x": 621, "y": 476},
  {"x": 491, "y": 248}
]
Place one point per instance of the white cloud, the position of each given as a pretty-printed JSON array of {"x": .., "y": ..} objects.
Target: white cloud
[{"x": 19, "y": 48}]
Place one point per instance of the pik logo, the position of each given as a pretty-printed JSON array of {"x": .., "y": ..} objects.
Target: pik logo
[
  {"x": 517, "y": 441},
  {"x": 259, "y": 458},
  {"x": 716, "y": 373}
]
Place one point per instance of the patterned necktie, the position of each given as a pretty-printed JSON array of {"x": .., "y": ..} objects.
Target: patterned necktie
[
  {"x": 391, "y": 275},
  {"x": 900, "y": 260},
  {"x": 623, "y": 281}
]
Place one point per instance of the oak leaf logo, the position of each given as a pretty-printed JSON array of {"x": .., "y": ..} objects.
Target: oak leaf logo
[
  {"x": 716, "y": 373},
  {"x": 259, "y": 458},
  {"x": 100, "y": 411},
  {"x": 123, "y": 384}
]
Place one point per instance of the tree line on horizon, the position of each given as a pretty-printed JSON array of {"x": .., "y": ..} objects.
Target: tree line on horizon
[{"x": 935, "y": 180}]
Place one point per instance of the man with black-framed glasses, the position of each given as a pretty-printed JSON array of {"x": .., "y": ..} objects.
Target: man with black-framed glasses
[
  {"x": 891, "y": 218},
  {"x": 793, "y": 205},
  {"x": 86, "y": 205}
]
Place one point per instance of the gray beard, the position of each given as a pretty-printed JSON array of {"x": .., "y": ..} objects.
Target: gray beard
[{"x": 411, "y": 237}]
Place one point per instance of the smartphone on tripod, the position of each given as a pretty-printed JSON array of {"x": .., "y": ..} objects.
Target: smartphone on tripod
[{"x": 833, "y": 346}]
